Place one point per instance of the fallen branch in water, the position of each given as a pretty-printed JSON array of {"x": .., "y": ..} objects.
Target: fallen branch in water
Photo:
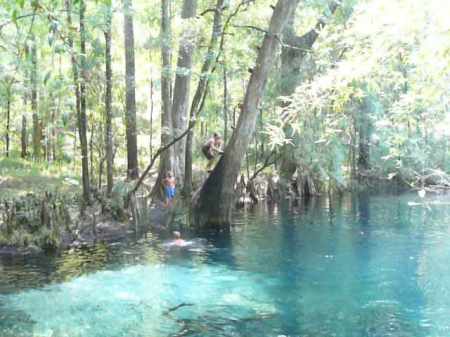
[{"x": 181, "y": 305}]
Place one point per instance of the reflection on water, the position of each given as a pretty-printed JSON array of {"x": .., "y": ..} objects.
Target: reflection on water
[{"x": 355, "y": 266}]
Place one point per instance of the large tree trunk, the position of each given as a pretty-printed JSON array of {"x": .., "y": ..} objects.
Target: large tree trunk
[
  {"x": 131, "y": 132},
  {"x": 182, "y": 86},
  {"x": 34, "y": 105},
  {"x": 82, "y": 120},
  {"x": 166, "y": 160},
  {"x": 216, "y": 199},
  {"x": 108, "y": 102},
  {"x": 292, "y": 56},
  {"x": 200, "y": 93}
]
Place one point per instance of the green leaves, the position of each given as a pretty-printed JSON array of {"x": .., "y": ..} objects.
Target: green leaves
[{"x": 14, "y": 15}]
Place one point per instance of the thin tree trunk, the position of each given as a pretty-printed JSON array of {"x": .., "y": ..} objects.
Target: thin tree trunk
[
  {"x": 131, "y": 131},
  {"x": 182, "y": 86},
  {"x": 166, "y": 160},
  {"x": 216, "y": 198},
  {"x": 82, "y": 120},
  {"x": 73, "y": 60},
  {"x": 8, "y": 117},
  {"x": 151, "y": 118},
  {"x": 91, "y": 155},
  {"x": 108, "y": 103},
  {"x": 49, "y": 132},
  {"x": 79, "y": 96},
  {"x": 34, "y": 105},
  {"x": 200, "y": 93},
  {"x": 364, "y": 132},
  {"x": 55, "y": 133},
  {"x": 26, "y": 95},
  {"x": 23, "y": 137},
  {"x": 100, "y": 174},
  {"x": 225, "y": 103}
]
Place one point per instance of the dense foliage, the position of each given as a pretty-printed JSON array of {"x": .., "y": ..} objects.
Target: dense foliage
[{"x": 371, "y": 99}]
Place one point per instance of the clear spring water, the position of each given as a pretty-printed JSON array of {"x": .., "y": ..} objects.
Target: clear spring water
[{"x": 358, "y": 266}]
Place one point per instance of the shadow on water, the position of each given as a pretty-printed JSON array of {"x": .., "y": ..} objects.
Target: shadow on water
[{"x": 382, "y": 317}]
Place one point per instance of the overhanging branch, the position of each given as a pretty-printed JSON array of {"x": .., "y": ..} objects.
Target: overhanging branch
[{"x": 153, "y": 160}]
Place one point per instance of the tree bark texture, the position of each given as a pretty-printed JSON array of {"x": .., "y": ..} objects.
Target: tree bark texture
[
  {"x": 225, "y": 103},
  {"x": 8, "y": 120},
  {"x": 200, "y": 93},
  {"x": 217, "y": 196},
  {"x": 182, "y": 86},
  {"x": 166, "y": 160},
  {"x": 37, "y": 133},
  {"x": 364, "y": 131},
  {"x": 82, "y": 120},
  {"x": 151, "y": 118},
  {"x": 130, "y": 117},
  {"x": 292, "y": 56},
  {"x": 108, "y": 104},
  {"x": 23, "y": 137},
  {"x": 75, "y": 73}
]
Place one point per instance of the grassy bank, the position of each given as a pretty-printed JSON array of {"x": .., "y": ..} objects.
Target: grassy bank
[{"x": 19, "y": 177}]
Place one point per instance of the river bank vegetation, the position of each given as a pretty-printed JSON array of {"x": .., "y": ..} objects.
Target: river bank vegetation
[{"x": 100, "y": 99}]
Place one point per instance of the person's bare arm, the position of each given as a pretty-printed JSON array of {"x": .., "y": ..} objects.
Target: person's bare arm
[{"x": 218, "y": 148}]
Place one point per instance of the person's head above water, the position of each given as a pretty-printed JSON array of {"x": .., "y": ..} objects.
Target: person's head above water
[{"x": 177, "y": 234}]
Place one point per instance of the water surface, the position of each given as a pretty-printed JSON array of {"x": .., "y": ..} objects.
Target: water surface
[{"x": 358, "y": 266}]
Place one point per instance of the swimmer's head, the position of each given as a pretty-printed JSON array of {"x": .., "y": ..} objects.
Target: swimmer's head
[{"x": 177, "y": 234}]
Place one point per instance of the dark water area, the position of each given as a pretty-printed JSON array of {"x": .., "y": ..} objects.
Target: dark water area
[{"x": 358, "y": 266}]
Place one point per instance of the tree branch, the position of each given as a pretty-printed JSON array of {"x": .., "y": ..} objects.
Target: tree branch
[
  {"x": 252, "y": 27},
  {"x": 18, "y": 18},
  {"x": 306, "y": 40},
  {"x": 157, "y": 154},
  {"x": 209, "y": 10},
  {"x": 291, "y": 45},
  {"x": 266, "y": 164}
]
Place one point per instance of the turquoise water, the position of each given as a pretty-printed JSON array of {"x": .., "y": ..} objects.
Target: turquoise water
[{"x": 358, "y": 266}]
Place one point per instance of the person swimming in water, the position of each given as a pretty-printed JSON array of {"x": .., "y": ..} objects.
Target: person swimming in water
[{"x": 178, "y": 240}]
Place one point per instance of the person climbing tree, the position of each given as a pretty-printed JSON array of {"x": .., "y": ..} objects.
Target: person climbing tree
[{"x": 211, "y": 149}]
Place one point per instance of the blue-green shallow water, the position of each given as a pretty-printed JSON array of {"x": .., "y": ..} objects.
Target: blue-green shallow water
[{"x": 358, "y": 266}]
